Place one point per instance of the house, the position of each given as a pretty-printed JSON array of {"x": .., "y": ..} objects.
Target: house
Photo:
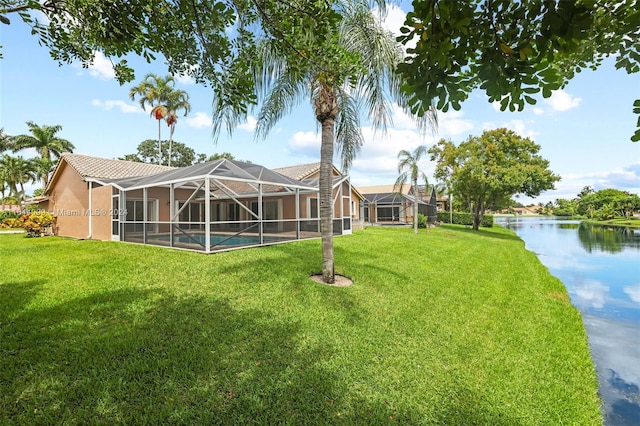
[
  {"x": 207, "y": 207},
  {"x": 346, "y": 197},
  {"x": 384, "y": 204}
]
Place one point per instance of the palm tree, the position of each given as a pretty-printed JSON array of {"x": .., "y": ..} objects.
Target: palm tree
[
  {"x": 342, "y": 72},
  {"x": 5, "y": 141},
  {"x": 157, "y": 92},
  {"x": 16, "y": 172},
  {"x": 44, "y": 140},
  {"x": 176, "y": 100},
  {"x": 409, "y": 170}
]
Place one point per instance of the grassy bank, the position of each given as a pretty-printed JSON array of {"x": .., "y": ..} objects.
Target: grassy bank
[
  {"x": 449, "y": 327},
  {"x": 631, "y": 223}
]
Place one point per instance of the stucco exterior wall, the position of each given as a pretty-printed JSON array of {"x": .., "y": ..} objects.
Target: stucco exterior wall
[
  {"x": 69, "y": 203},
  {"x": 101, "y": 213}
]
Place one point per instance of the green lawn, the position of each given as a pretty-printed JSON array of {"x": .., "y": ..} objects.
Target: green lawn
[{"x": 447, "y": 327}]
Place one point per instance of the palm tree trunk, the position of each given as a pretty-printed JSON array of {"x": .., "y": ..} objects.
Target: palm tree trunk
[
  {"x": 326, "y": 200},
  {"x": 171, "y": 129},
  {"x": 159, "y": 145}
]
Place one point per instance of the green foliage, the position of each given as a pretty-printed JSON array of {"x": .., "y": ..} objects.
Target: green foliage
[
  {"x": 181, "y": 154},
  {"x": 8, "y": 214},
  {"x": 564, "y": 207},
  {"x": 462, "y": 218},
  {"x": 512, "y": 49},
  {"x": 251, "y": 339},
  {"x": 37, "y": 223},
  {"x": 607, "y": 204},
  {"x": 422, "y": 221},
  {"x": 486, "y": 171}
]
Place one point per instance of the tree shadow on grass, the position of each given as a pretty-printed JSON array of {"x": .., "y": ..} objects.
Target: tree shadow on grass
[
  {"x": 486, "y": 233},
  {"x": 141, "y": 356}
]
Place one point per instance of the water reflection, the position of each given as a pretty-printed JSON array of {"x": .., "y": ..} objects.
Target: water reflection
[
  {"x": 611, "y": 239},
  {"x": 600, "y": 267}
]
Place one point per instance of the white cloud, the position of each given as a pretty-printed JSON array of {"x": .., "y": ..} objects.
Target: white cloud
[
  {"x": 101, "y": 67},
  {"x": 393, "y": 20},
  {"x": 562, "y": 101},
  {"x": 305, "y": 143},
  {"x": 634, "y": 292},
  {"x": 538, "y": 111},
  {"x": 592, "y": 293},
  {"x": 199, "y": 119},
  {"x": 452, "y": 124},
  {"x": 124, "y": 107},
  {"x": 518, "y": 126},
  {"x": 249, "y": 125},
  {"x": 184, "y": 79}
]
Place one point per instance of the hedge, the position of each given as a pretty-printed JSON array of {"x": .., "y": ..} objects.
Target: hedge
[{"x": 465, "y": 219}]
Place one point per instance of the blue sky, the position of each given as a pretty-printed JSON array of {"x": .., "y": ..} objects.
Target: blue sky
[{"x": 584, "y": 130}]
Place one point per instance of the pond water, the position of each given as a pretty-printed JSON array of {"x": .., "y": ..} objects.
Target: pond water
[{"x": 600, "y": 267}]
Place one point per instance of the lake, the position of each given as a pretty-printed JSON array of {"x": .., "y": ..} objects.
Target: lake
[{"x": 600, "y": 267}]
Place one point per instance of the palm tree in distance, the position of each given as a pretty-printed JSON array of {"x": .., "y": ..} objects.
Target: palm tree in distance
[
  {"x": 155, "y": 90},
  {"x": 409, "y": 169},
  {"x": 176, "y": 100},
  {"x": 343, "y": 67},
  {"x": 16, "y": 172},
  {"x": 49, "y": 146}
]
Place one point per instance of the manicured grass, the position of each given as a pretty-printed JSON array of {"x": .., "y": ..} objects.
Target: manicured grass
[{"x": 447, "y": 327}]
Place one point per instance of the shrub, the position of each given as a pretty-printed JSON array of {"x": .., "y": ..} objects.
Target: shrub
[
  {"x": 37, "y": 223},
  {"x": 465, "y": 219},
  {"x": 422, "y": 221},
  {"x": 11, "y": 222},
  {"x": 8, "y": 214}
]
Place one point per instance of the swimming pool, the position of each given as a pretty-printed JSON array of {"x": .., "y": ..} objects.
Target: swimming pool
[{"x": 217, "y": 239}]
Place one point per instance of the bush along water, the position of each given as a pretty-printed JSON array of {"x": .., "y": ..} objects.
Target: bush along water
[{"x": 465, "y": 219}]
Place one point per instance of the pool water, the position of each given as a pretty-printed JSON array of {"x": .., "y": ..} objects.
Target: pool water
[{"x": 224, "y": 240}]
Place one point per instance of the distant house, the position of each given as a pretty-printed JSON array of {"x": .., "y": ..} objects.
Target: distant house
[
  {"x": 207, "y": 207},
  {"x": 383, "y": 205},
  {"x": 525, "y": 211}
]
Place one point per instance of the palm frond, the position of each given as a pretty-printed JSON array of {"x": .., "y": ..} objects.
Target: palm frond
[{"x": 349, "y": 139}]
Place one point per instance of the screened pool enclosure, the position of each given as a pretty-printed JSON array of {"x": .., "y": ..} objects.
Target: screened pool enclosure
[{"x": 221, "y": 205}]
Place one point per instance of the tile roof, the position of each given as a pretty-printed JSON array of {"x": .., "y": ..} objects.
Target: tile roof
[
  {"x": 300, "y": 171},
  {"x": 107, "y": 168},
  {"x": 382, "y": 189}
]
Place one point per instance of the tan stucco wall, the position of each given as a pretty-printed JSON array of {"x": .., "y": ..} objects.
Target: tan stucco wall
[
  {"x": 69, "y": 203},
  {"x": 102, "y": 211}
]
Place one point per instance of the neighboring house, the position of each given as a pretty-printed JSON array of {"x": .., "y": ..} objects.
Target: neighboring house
[
  {"x": 207, "y": 207},
  {"x": 383, "y": 205},
  {"x": 525, "y": 211},
  {"x": 346, "y": 197}
]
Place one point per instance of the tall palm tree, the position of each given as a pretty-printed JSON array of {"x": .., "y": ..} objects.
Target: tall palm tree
[
  {"x": 155, "y": 91},
  {"x": 176, "y": 100},
  {"x": 44, "y": 140},
  {"x": 343, "y": 69},
  {"x": 17, "y": 171},
  {"x": 409, "y": 169}
]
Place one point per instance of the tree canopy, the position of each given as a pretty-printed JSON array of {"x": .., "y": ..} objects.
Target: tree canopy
[
  {"x": 486, "y": 171},
  {"x": 512, "y": 49},
  {"x": 181, "y": 154}
]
